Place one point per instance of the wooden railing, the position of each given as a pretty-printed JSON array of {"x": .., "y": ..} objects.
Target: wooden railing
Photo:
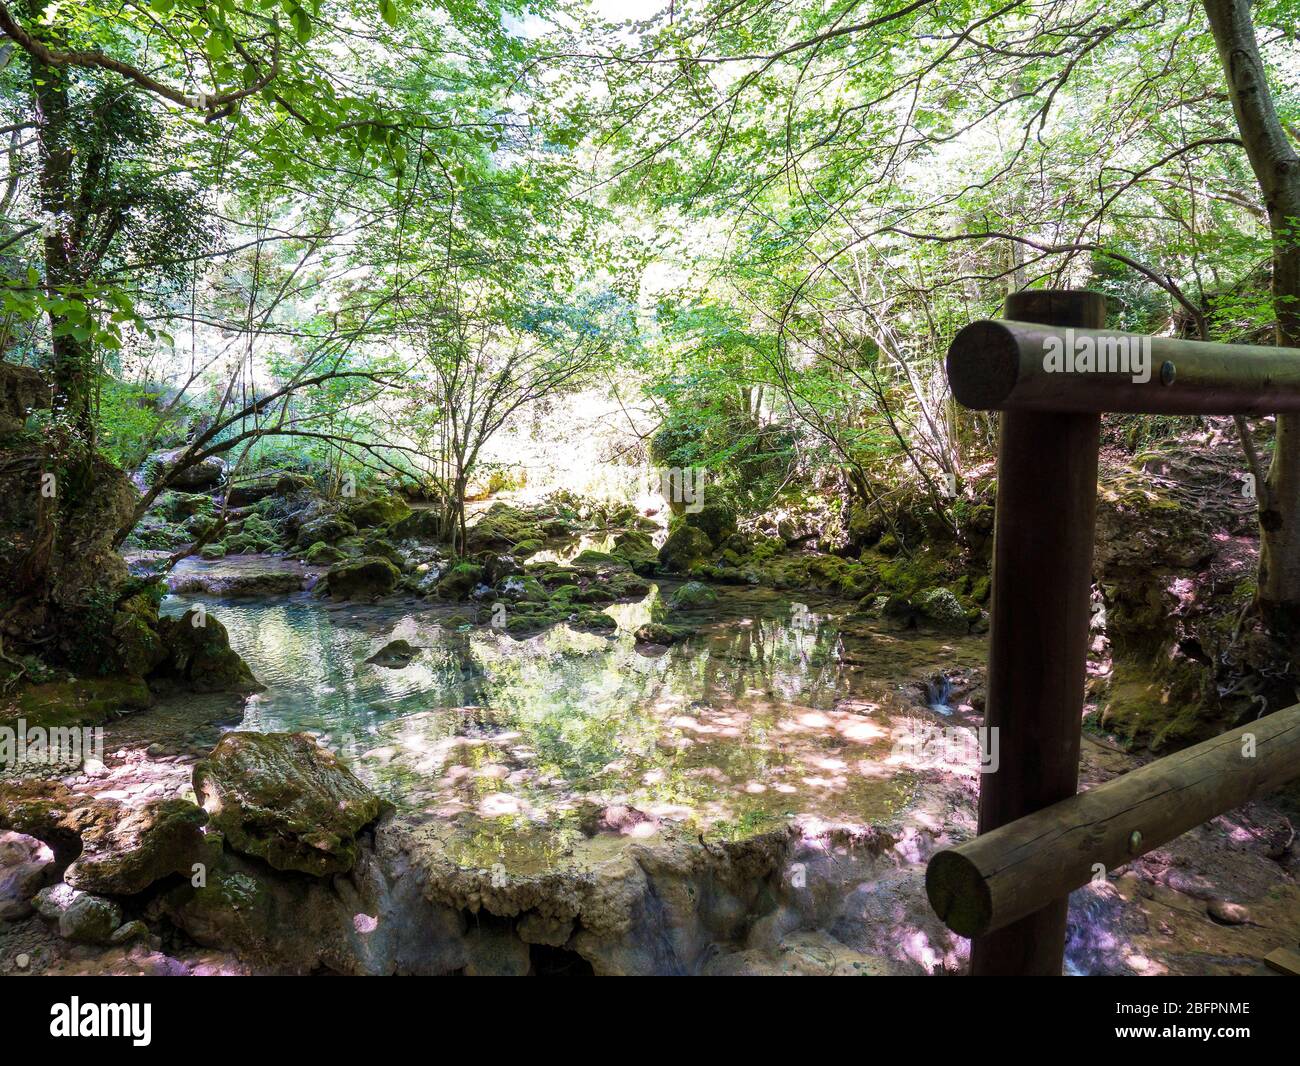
[{"x": 1051, "y": 369}]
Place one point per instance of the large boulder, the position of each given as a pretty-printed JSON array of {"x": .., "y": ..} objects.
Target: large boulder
[
  {"x": 199, "y": 655},
  {"x": 125, "y": 854},
  {"x": 364, "y": 578},
  {"x": 283, "y": 798},
  {"x": 327, "y": 529},
  {"x": 378, "y": 511},
  {"x": 714, "y": 520},
  {"x": 205, "y": 474},
  {"x": 685, "y": 548},
  {"x": 637, "y": 550}
]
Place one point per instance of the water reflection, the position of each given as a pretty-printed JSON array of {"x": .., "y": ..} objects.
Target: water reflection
[{"x": 762, "y": 716}]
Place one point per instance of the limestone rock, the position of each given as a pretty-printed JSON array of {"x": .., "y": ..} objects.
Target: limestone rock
[
  {"x": 81, "y": 916},
  {"x": 685, "y": 548},
  {"x": 283, "y": 798},
  {"x": 364, "y": 578},
  {"x": 24, "y": 862},
  {"x": 125, "y": 855},
  {"x": 692, "y": 596},
  {"x": 199, "y": 655}
]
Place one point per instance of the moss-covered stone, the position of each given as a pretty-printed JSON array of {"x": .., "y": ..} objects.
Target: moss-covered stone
[
  {"x": 322, "y": 554},
  {"x": 199, "y": 655},
  {"x": 715, "y": 520},
  {"x": 378, "y": 511},
  {"x": 327, "y": 529},
  {"x": 692, "y": 596},
  {"x": 459, "y": 581},
  {"x": 87, "y": 701},
  {"x": 125, "y": 854},
  {"x": 363, "y": 578},
  {"x": 685, "y": 549},
  {"x": 658, "y": 633},
  {"x": 283, "y": 798}
]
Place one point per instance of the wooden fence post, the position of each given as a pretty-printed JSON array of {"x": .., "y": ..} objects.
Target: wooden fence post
[{"x": 1040, "y": 614}]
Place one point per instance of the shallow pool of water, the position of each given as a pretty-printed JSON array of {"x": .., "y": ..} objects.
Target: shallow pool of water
[{"x": 772, "y": 711}]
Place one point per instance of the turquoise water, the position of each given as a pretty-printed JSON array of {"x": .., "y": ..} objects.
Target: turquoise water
[{"x": 768, "y": 713}]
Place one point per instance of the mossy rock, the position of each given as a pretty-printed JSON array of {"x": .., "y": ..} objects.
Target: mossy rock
[
  {"x": 657, "y": 633},
  {"x": 199, "y": 655},
  {"x": 327, "y": 529},
  {"x": 216, "y": 550},
  {"x": 176, "y": 506},
  {"x": 87, "y": 701},
  {"x": 692, "y": 596},
  {"x": 593, "y": 558},
  {"x": 283, "y": 798},
  {"x": 459, "y": 581},
  {"x": 135, "y": 629},
  {"x": 364, "y": 578},
  {"x": 376, "y": 545},
  {"x": 685, "y": 548},
  {"x": 593, "y": 622},
  {"x": 378, "y": 511},
  {"x": 124, "y": 855},
  {"x": 717, "y": 521},
  {"x": 322, "y": 554},
  {"x": 941, "y": 608},
  {"x": 255, "y": 536},
  {"x": 637, "y": 550}
]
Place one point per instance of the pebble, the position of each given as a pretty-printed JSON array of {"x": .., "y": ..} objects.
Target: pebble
[{"x": 1227, "y": 913}]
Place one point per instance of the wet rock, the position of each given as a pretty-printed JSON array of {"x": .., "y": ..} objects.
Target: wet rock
[
  {"x": 283, "y": 798},
  {"x": 395, "y": 654},
  {"x": 199, "y": 656},
  {"x": 364, "y": 578},
  {"x": 24, "y": 865},
  {"x": 125, "y": 855},
  {"x": 685, "y": 548},
  {"x": 692, "y": 596},
  {"x": 81, "y": 916},
  {"x": 657, "y": 633}
]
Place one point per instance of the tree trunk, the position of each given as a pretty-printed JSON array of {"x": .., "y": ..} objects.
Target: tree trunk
[
  {"x": 72, "y": 358},
  {"x": 1277, "y": 169}
]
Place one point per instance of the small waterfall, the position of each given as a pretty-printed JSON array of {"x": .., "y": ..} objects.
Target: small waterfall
[{"x": 938, "y": 690}]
